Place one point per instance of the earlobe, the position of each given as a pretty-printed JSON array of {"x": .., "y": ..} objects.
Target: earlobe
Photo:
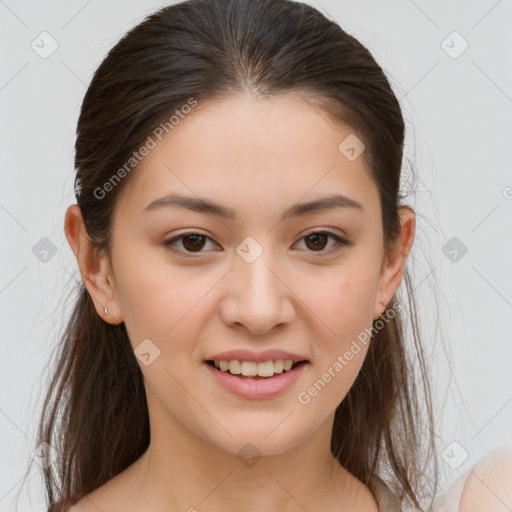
[
  {"x": 394, "y": 262},
  {"x": 94, "y": 267}
]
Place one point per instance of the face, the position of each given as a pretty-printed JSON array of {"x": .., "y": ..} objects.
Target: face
[{"x": 261, "y": 275}]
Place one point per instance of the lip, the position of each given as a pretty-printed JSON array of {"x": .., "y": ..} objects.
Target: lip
[
  {"x": 257, "y": 388},
  {"x": 257, "y": 357}
]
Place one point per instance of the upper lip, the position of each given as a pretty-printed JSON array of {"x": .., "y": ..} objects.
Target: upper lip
[{"x": 258, "y": 357}]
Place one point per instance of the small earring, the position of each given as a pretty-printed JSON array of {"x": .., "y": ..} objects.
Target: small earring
[{"x": 106, "y": 310}]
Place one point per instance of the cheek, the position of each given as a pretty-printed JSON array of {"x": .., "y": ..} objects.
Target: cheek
[
  {"x": 343, "y": 306},
  {"x": 165, "y": 303},
  {"x": 342, "y": 301},
  {"x": 152, "y": 296}
]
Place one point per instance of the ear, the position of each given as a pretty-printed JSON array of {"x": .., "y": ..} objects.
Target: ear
[
  {"x": 394, "y": 263},
  {"x": 94, "y": 266}
]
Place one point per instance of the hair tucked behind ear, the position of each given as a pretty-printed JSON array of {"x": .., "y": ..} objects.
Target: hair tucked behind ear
[{"x": 95, "y": 413}]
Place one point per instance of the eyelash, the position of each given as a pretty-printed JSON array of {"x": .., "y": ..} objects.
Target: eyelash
[{"x": 341, "y": 243}]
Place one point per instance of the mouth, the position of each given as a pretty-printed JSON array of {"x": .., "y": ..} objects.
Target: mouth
[
  {"x": 256, "y": 371},
  {"x": 256, "y": 380}
]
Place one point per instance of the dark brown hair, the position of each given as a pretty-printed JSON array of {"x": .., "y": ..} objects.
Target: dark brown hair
[{"x": 209, "y": 50}]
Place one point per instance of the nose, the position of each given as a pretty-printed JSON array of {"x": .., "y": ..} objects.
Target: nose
[{"x": 257, "y": 296}]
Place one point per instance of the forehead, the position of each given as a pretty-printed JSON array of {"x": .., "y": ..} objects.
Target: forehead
[{"x": 246, "y": 149}]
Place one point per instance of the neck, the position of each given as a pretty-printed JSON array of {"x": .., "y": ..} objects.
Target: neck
[{"x": 182, "y": 471}]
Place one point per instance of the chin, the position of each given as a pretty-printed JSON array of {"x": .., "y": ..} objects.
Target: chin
[{"x": 258, "y": 438}]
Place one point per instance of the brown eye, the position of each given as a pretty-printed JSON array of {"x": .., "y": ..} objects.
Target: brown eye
[
  {"x": 190, "y": 243},
  {"x": 317, "y": 241},
  {"x": 193, "y": 242}
]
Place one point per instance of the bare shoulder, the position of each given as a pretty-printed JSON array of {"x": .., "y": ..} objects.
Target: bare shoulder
[
  {"x": 78, "y": 507},
  {"x": 119, "y": 494},
  {"x": 89, "y": 503},
  {"x": 110, "y": 496},
  {"x": 489, "y": 484}
]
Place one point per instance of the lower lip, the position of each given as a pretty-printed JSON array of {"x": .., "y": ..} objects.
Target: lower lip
[{"x": 267, "y": 387}]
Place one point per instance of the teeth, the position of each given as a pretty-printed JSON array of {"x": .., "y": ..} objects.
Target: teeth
[
  {"x": 235, "y": 367},
  {"x": 253, "y": 369},
  {"x": 279, "y": 366},
  {"x": 249, "y": 368},
  {"x": 266, "y": 369}
]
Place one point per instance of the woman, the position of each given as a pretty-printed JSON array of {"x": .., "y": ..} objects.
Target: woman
[{"x": 237, "y": 342}]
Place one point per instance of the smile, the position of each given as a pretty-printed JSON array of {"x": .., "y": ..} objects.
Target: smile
[
  {"x": 253, "y": 369},
  {"x": 249, "y": 383}
]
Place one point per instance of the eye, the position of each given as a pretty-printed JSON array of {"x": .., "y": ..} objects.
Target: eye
[
  {"x": 316, "y": 241},
  {"x": 194, "y": 242}
]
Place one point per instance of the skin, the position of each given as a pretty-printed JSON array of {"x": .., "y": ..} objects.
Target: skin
[
  {"x": 488, "y": 485},
  {"x": 259, "y": 157}
]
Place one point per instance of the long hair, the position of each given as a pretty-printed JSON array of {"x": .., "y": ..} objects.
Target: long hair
[{"x": 95, "y": 413}]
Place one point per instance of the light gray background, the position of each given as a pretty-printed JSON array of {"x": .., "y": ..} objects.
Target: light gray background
[{"x": 457, "y": 111}]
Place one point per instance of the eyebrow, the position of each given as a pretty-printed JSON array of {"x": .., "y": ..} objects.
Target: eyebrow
[{"x": 205, "y": 206}]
